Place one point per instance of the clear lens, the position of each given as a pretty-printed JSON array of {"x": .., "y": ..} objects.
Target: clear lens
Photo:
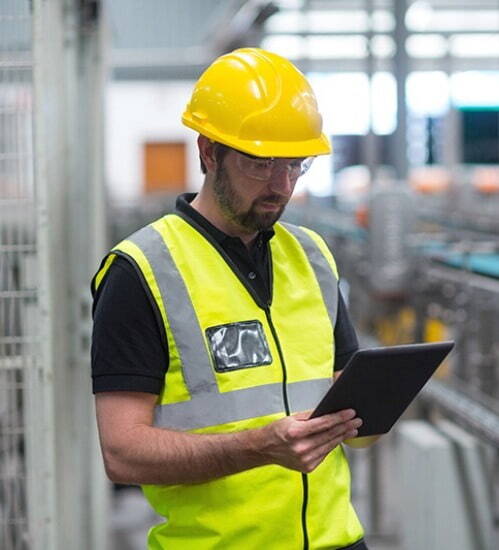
[
  {"x": 264, "y": 168},
  {"x": 306, "y": 164},
  {"x": 254, "y": 167}
]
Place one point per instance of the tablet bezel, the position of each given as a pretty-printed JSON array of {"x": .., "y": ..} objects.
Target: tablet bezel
[{"x": 380, "y": 383}]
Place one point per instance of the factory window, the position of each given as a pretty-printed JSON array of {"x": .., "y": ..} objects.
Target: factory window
[
  {"x": 382, "y": 21},
  {"x": 287, "y": 22},
  {"x": 428, "y": 93},
  {"x": 337, "y": 21},
  {"x": 292, "y": 46},
  {"x": 293, "y": 21},
  {"x": 475, "y": 45},
  {"x": 345, "y": 102},
  {"x": 423, "y": 17},
  {"x": 427, "y": 45},
  {"x": 475, "y": 88},
  {"x": 383, "y": 45},
  {"x": 352, "y": 46},
  {"x": 332, "y": 47},
  {"x": 164, "y": 166},
  {"x": 329, "y": 21},
  {"x": 383, "y": 103}
]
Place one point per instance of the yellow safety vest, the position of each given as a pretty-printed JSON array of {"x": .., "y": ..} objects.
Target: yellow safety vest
[{"x": 237, "y": 364}]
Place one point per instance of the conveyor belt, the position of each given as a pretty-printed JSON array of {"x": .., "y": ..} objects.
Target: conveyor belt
[{"x": 482, "y": 263}]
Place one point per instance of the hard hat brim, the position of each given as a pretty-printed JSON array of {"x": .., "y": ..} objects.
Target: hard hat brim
[{"x": 287, "y": 149}]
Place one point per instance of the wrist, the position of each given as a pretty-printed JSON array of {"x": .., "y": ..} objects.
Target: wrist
[{"x": 255, "y": 444}]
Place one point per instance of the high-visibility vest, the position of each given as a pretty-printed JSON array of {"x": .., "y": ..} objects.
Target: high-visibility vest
[{"x": 237, "y": 364}]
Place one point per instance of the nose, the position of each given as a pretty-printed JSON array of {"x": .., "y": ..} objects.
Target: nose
[{"x": 280, "y": 182}]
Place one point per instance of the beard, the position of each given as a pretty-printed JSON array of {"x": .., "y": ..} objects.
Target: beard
[{"x": 231, "y": 204}]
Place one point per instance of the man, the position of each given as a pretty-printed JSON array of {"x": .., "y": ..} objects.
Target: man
[{"x": 217, "y": 329}]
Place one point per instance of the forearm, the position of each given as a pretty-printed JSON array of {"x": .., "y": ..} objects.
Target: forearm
[
  {"x": 149, "y": 455},
  {"x": 136, "y": 452}
]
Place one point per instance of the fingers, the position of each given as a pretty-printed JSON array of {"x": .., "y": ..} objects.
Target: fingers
[
  {"x": 311, "y": 450},
  {"x": 339, "y": 430},
  {"x": 333, "y": 436},
  {"x": 322, "y": 423},
  {"x": 319, "y": 454},
  {"x": 300, "y": 443}
]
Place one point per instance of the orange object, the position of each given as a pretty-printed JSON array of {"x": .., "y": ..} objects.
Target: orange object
[
  {"x": 362, "y": 216},
  {"x": 165, "y": 167},
  {"x": 486, "y": 180},
  {"x": 430, "y": 179}
]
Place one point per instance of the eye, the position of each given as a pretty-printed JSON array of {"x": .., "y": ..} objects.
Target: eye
[{"x": 262, "y": 164}]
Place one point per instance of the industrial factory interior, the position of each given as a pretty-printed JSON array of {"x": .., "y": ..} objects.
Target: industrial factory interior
[{"x": 92, "y": 148}]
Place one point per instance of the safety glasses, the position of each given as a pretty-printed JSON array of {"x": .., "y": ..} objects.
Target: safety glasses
[{"x": 264, "y": 168}]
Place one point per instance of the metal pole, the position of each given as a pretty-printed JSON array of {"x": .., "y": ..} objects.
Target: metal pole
[
  {"x": 370, "y": 141},
  {"x": 68, "y": 82},
  {"x": 49, "y": 175},
  {"x": 89, "y": 240},
  {"x": 401, "y": 69}
]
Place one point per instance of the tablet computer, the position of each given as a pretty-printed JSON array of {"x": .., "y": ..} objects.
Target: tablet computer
[{"x": 380, "y": 383}]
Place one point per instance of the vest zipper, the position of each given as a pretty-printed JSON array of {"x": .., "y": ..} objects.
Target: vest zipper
[
  {"x": 266, "y": 308},
  {"x": 286, "y": 408},
  {"x": 304, "y": 479},
  {"x": 281, "y": 357}
]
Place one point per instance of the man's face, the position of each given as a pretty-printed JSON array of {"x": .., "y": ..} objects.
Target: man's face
[{"x": 250, "y": 203}]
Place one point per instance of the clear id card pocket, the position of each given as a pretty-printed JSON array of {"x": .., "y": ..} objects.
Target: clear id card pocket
[{"x": 238, "y": 346}]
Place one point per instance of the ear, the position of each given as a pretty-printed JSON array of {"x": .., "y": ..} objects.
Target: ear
[{"x": 207, "y": 153}]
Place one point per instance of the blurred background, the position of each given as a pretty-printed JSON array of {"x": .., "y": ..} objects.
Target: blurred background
[{"x": 92, "y": 148}]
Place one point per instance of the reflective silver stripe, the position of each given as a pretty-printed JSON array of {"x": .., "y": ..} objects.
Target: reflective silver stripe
[
  {"x": 306, "y": 395},
  {"x": 214, "y": 409},
  {"x": 324, "y": 273},
  {"x": 196, "y": 364},
  {"x": 208, "y": 406}
]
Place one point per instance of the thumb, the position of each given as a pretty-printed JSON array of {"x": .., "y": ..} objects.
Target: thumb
[{"x": 304, "y": 415}]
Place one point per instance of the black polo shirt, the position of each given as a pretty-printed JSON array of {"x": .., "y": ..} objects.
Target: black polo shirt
[{"x": 129, "y": 352}]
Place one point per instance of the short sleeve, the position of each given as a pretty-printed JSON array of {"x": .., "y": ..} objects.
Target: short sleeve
[{"x": 129, "y": 350}]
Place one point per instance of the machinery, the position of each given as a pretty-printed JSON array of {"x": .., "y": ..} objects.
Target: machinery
[{"x": 425, "y": 267}]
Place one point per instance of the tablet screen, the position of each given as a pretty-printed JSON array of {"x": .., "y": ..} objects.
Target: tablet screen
[{"x": 380, "y": 383}]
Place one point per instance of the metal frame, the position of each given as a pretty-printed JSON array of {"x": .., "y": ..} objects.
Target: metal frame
[
  {"x": 68, "y": 80},
  {"x": 52, "y": 232}
]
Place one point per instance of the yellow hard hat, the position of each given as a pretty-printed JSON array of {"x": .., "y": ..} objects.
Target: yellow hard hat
[{"x": 259, "y": 103}]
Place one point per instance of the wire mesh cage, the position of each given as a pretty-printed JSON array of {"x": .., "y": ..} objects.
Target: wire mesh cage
[{"x": 17, "y": 264}]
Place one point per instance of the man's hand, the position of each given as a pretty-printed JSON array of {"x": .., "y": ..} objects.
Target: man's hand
[{"x": 300, "y": 443}]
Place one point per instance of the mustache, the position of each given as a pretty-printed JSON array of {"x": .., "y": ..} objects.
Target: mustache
[{"x": 273, "y": 199}]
